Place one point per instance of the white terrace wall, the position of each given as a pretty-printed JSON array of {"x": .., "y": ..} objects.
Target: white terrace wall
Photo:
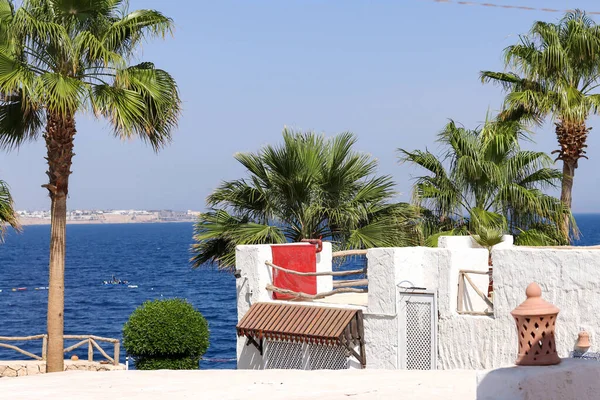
[
  {"x": 569, "y": 278},
  {"x": 432, "y": 268}
]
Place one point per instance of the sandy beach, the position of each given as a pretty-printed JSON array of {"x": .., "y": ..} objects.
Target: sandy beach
[{"x": 233, "y": 385}]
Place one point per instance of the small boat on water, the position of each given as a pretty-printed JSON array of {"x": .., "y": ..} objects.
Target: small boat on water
[{"x": 115, "y": 281}]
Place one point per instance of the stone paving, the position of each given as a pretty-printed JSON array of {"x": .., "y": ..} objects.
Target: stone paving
[{"x": 32, "y": 367}]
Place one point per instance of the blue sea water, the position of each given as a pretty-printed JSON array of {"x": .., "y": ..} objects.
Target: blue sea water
[{"x": 152, "y": 256}]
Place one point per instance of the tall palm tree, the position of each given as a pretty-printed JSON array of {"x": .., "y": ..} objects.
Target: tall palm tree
[
  {"x": 58, "y": 59},
  {"x": 484, "y": 181},
  {"x": 554, "y": 70},
  {"x": 7, "y": 211},
  {"x": 309, "y": 187}
]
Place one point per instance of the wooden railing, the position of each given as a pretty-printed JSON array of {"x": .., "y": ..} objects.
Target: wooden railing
[
  {"x": 351, "y": 282},
  {"x": 90, "y": 340},
  {"x": 463, "y": 276},
  {"x": 346, "y": 253},
  {"x": 339, "y": 286},
  {"x": 44, "y": 339}
]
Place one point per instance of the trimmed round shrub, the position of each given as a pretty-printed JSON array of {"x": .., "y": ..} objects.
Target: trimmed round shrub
[{"x": 166, "y": 334}]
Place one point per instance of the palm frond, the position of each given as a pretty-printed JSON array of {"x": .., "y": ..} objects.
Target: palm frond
[
  {"x": 20, "y": 120},
  {"x": 552, "y": 70},
  {"x": 217, "y": 233},
  {"x": 7, "y": 212},
  {"x": 126, "y": 33},
  {"x": 490, "y": 183},
  {"x": 488, "y": 237},
  {"x": 307, "y": 187}
]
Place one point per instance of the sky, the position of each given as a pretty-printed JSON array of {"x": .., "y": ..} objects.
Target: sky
[{"x": 391, "y": 71}]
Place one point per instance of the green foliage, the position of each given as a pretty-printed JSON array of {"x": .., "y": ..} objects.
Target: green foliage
[
  {"x": 487, "y": 237},
  {"x": 147, "y": 364},
  {"x": 541, "y": 235},
  {"x": 7, "y": 212},
  {"x": 309, "y": 187},
  {"x": 64, "y": 57},
  {"x": 554, "y": 70},
  {"x": 166, "y": 334},
  {"x": 489, "y": 185}
]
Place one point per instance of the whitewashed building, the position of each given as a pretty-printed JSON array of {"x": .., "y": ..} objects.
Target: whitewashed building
[{"x": 426, "y": 308}]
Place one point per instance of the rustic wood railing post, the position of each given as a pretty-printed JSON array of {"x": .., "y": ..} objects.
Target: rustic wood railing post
[
  {"x": 461, "y": 291},
  {"x": 44, "y": 347},
  {"x": 479, "y": 292},
  {"x": 90, "y": 350},
  {"x": 463, "y": 280},
  {"x": 116, "y": 353}
]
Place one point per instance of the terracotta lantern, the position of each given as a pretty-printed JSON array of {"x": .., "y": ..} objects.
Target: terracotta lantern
[
  {"x": 583, "y": 341},
  {"x": 536, "y": 319}
]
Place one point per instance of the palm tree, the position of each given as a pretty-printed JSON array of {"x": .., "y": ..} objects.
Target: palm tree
[
  {"x": 554, "y": 70},
  {"x": 309, "y": 187},
  {"x": 7, "y": 212},
  {"x": 60, "y": 58},
  {"x": 490, "y": 183},
  {"x": 488, "y": 237}
]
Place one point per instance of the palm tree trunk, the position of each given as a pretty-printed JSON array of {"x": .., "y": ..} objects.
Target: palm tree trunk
[
  {"x": 60, "y": 131},
  {"x": 566, "y": 191},
  {"x": 571, "y": 140}
]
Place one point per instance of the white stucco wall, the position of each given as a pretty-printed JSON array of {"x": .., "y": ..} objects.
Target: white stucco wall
[
  {"x": 571, "y": 379},
  {"x": 570, "y": 278},
  {"x": 380, "y": 318},
  {"x": 255, "y": 276},
  {"x": 467, "y": 242},
  {"x": 324, "y": 264}
]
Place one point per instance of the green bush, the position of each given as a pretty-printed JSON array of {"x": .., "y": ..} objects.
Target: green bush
[
  {"x": 166, "y": 334},
  {"x": 166, "y": 363}
]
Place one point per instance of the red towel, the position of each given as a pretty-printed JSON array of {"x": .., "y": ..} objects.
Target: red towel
[{"x": 297, "y": 257}]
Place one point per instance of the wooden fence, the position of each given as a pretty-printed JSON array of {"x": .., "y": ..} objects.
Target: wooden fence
[
  {"x": 463, "y": 276},
  {"x": 44, "y": 339},
  {"x": 90, "y": 340}
]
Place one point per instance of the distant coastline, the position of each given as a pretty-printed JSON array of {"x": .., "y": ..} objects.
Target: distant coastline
[
  {"x": 95, "y": 217},
  {"x": 26, "y": 221}
]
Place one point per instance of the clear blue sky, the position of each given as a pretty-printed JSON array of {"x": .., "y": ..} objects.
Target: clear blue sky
[{"x": 391, "y": 71}]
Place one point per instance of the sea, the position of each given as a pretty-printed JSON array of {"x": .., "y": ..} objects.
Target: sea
[{"x": 154, "y": 258}]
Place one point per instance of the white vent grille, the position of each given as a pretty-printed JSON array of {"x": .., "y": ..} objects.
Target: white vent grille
[
  {"x": 417, "y": 328},
  {"x": 327, "y": 357},
  {"x": 418, "y": 335},
  {"x": 289, "y": 355},
  {"x": 283, "y": 355}
]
